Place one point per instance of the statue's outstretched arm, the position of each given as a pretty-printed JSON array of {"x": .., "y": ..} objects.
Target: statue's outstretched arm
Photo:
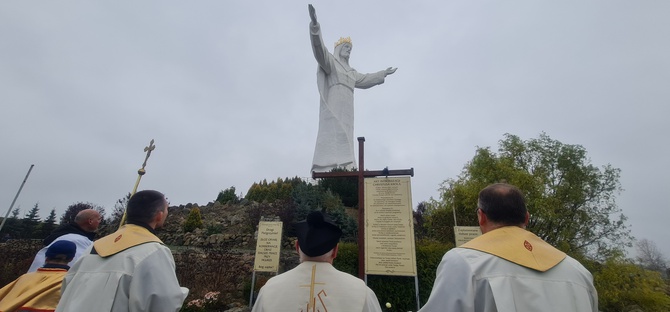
[
  {"x": 390, "y": 71},
  {"x": 312, "y": 14},
  {"x": 320, "y": 52}
]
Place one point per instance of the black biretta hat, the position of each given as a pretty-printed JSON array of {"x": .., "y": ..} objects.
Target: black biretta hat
[{"x": 317, "y": 235}]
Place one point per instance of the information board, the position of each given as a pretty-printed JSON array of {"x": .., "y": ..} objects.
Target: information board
[
  {"x": 389, "y": 227},
  {"x": 268, "y": 246},
  {"x": 464, "y": 234}
]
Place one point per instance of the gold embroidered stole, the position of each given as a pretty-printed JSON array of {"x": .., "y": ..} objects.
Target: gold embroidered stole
[
  {"x": 519, "y": 246},
  {"x": 129, "y": 235}
]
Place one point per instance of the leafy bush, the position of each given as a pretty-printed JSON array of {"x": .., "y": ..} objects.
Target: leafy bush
[
  {"x": 227, "y": 195},
  {"x": 345, "y": 187},
  {"x": 622, "y": 284},
  {"x": 213, "y": 228},
  {"x": 398, "y": 289},
  {"x": 18, "y": 254},
  {"x": 193, "y": 221},
  {"x": 308, "y": 198},
  {"x": 275, "y": 190}
]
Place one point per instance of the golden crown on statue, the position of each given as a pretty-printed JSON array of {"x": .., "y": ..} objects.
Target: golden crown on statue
[{"x": 343, "y": 40}]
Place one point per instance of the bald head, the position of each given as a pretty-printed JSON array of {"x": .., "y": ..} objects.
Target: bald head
[
  {"x": 88, "y": 220},
  {"x": 503, "y": 204}
]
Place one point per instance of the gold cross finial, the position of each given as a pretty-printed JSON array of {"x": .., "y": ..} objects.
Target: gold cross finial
[{"x": 148, "y": 149}]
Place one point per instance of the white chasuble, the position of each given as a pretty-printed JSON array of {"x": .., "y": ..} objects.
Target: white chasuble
[{"x": 315, "y": 286}]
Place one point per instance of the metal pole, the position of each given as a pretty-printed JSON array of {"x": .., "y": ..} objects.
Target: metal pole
[
  {"x": 251, "y": 293},
  {"x": 453, "y": 206},
  {"x": 140, "y": 173},
  {"x": 15, "y": 197},
  {"x": 361, "y": 210},
  {"x": 416, "y": 286}
]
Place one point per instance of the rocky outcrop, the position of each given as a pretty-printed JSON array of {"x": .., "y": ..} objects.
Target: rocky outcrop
[{"x": 220, "y": 256}]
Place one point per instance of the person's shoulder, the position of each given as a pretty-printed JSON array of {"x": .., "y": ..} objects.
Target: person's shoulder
[
  {"x": 74, "y": 237},
  {"x": 463, "y": 253},
  {"x": 458, "y": 256},
  {"x": 349, "y": 278},
  {"x": 576, "y": 265}
]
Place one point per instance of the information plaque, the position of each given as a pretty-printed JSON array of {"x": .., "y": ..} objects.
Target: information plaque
[
  {"x": 268, "y": 246},
  {"x": 464, "y": 234},
  {"x": 389, "y": 227}
]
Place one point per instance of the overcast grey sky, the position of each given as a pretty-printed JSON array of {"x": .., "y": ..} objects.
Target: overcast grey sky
[{"x": 228, "y": 91}]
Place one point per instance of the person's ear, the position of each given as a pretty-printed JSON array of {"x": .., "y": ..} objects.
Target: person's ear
[
  {"x": 159, "y": 216},
  {"x": 481, "y": 217},
  {"x": 525, "y": 222},
  {"x": 334, "y": 254},
  {"x": 297, "y": 246}
]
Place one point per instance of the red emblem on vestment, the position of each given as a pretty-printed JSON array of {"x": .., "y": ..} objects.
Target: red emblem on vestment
[
  {"x": 527, "y": 245},
  {"x": 117, "y": 238}
]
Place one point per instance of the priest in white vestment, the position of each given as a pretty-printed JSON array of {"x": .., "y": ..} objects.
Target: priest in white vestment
[
  {"x": 130, "y": 270},
  {"x": 336, "y": 81},
  {"x": 508, "y": 268},
  {"x": 315, "y": 285}
]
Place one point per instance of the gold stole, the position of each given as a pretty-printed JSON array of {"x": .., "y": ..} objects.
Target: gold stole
[
  {"x": 519, "y": 246},
  {"x": 129, "y": 235}
]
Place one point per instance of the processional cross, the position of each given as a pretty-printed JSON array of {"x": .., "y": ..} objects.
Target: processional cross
[
  {"x": 362, "y": 174},
  {"x": 140, "y": 173}
]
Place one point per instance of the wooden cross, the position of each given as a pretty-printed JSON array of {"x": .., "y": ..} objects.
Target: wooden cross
[{"x": 362, "y": 174}]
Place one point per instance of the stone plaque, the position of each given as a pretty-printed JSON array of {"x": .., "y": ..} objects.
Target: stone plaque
[
  {"x": 268, "y": 246},
  {"x": 389, "y": 227},
  {"x": 464, "y": 234}
]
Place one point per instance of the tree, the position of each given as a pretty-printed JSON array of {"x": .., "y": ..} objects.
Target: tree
[
  {"x": 119, "y": 209},
  {"x": 345, "y": 187},
  {"x": 49, "y": 224},
  {"x": 571, "y": 202},
  {"x": 193, "y": 220},
  {"x": 31, "y": 221},
  {"x": 280, "y": 189},
  {"x": 227, "y": 195},
  {"x": 13, "y": 224},
  {"x": 112, "y": 223},
  {"x": 650, "y": 258},
  {"x": 420, "y": 220},
  {"x": 308, "y": 198},
  {"x": 624, "y": 286},
  {"x": 74, "y": 209},
  {"x": 15, "y": 213}
]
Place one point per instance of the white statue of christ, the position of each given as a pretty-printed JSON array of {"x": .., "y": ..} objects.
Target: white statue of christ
[{"x": 336, "y": 81}]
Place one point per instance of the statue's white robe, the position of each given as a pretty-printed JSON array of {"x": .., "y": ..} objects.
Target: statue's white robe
[
  {"x": 315, "y": 286},
  {"x": 336, "y": 82},
  {"x": 139, "y": 278}
]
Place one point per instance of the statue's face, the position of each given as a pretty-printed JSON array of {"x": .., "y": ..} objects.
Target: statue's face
[{"x": 345, "y": 51}]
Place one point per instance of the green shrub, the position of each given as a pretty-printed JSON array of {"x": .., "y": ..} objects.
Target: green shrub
[
  {"x": 347, "y": 258},
  {"x": 193, "y": 221},
  {"x": 17, "y": 254},
  {"x": 622, "y": 285},
  {"x": 398, "y": 290},
  {"x": 227, "y": 195},
  {"x": 213, "y": 228}
]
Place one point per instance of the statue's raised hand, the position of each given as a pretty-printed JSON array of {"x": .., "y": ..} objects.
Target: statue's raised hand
[
  {"x": 312, "y": 13},
  {"x": 389, "y": 71}
]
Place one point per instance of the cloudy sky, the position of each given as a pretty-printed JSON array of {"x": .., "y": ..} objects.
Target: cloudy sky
[{"x": 228, "y": 91}]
